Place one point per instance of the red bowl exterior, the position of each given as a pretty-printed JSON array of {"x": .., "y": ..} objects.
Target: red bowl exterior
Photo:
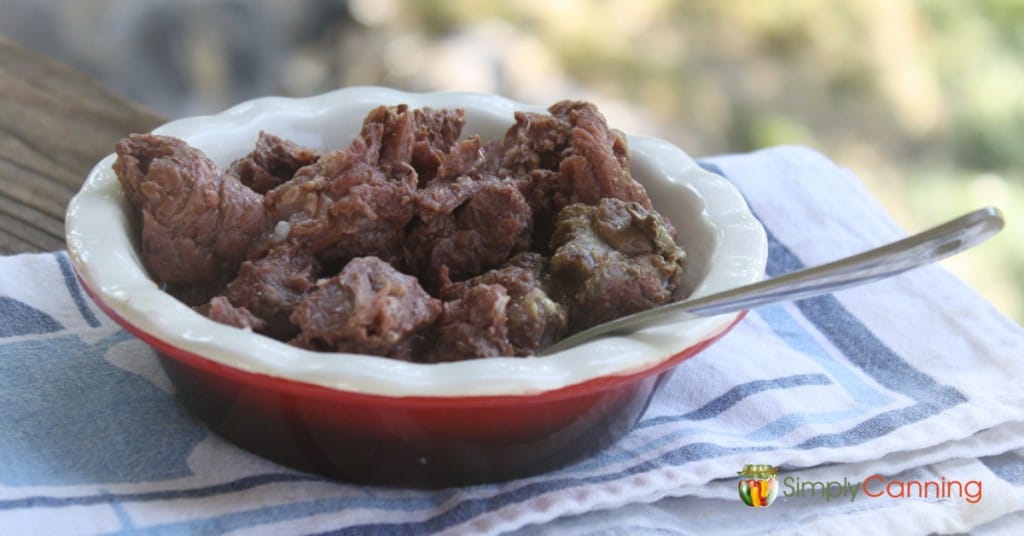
[{"x": 408, "y": 441}]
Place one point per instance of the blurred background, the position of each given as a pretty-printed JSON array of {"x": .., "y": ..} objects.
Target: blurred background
[{"x": 924, "y": 100}]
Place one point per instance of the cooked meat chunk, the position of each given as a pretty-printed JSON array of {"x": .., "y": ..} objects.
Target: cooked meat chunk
[
  {"x": 540, "y": 189},
  {"x": 197, "y": 224},
  {"x": 470, "y": 158},
  {"x": 536, "y": 141},
  {"x": 388, "y": 132},
  {"x": 534, "y": 319},
  {"x": 272, "y": 162},
  {"x": 598, "y": 164},
  {"x": 271, "y": 287},
  {"x": 343, "y": 206},
  {"x": 476, "y": 325},
  {"x": 416, "y": 139},
  {"x": 221, "y": 310},
  {"x": 567, "y": 156},
  {"x": 613, "y": 259},
  {"x": 466, "y": 228},
  {"x": 369, "y": 307}
]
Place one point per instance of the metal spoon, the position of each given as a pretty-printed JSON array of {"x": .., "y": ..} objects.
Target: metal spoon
[{"x": 929, "y": 246}]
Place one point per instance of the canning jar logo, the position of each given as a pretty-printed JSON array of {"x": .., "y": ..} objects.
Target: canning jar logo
[{"x": 758, "y": 485}]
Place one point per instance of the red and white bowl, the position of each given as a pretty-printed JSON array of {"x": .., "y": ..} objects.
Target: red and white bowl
[{"x": 370, "y": 419}]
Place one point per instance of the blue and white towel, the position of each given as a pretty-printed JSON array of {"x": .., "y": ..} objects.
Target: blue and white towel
[{"x": 915, "y": 378}]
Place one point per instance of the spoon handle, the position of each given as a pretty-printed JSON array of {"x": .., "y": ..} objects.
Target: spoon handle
[{"x": 929, "y": 246}]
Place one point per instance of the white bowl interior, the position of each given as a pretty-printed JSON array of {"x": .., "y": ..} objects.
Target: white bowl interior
[{"x": 725, "y": 245}]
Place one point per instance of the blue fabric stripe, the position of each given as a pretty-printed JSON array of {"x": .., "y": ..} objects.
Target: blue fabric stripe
[
  {"x": 794, "y": 335},
  {"x": 17, "y": 318},
  {"x": 874, "y": 357},
  {"x": 875, "y": 427},
  {"x": 120, "y": 512},
  {"x": 167, "y": 495},
  {"x": 733, "y": 396},
  {"x": 624, "y": 452},
  {"x": 638, "y": 529},
  {"x": 262, "y": 515},
  {"x": 793, "y": 421},
  {"x": 1008, "y": 466},
  {"x": 76, "y": 292},
  {"x": 739, "y": 392}
]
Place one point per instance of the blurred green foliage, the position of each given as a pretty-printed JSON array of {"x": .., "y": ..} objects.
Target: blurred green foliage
[{"x": 922, "y": 99}]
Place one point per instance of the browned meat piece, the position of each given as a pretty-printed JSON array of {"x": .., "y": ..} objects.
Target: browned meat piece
[
  {"x": 436, "y": 133},
  {"x": 220, "y": 310},
  {"x": 569, "y": 156},
  {"x": 474, "y": 326},
  {"x": 271, "y": 287},
  {"x": 534, "y": 319},
  {"x": 197, "y": 224},
  {"x": 540, "y": 188},
  {"x": 599, "y": 165},
  {"x": 468, "y": 157},
  {"x": 272, "y": 162},
  {"x": 466, "y": 228},
  {"x": 416, "y": 346},
  {"x": 343, "y": 206},
  {"x": 388, "y": 132},
  {"x": 536, "y": 141},
  {"x": 368, "y": 308},
  {"x": 613, "y": 259},
  {"x": 417, "y": 139}
]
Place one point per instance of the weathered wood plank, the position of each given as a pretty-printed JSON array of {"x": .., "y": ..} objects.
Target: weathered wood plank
[{"x": 55, "y": 124}]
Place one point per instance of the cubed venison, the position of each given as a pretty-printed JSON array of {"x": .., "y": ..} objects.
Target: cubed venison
[
  {"x": 271, "y": 163},
  {"x": 220, "y": 309},
  {"x": 343, "y": 206},
  {"x": 598, "y": 166},
  {"x": 540, "y": 188},
  {"x": 568, "y": 156},
  {"x": 613, "y": 259},
  {"x": 535, "y": 141},
  {"x": 271, "y": 286},
  {"x": 435, "y": 133},
  {"x": 369, "y": 307},
  {"x": 197, "y": 224},
  {"x": 475, "y": 325},
  {"x": 467, "y": 230},
  {"x": 413, "y": 139},
  {"x": 467, "y": 158},
  {"x": 534, "y": 319}
]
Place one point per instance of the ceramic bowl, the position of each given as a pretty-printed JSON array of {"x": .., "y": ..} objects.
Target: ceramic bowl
[{"x": 374, "y": 420}]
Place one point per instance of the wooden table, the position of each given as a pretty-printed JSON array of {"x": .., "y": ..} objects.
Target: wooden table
[{"x": 55, "y": 124}]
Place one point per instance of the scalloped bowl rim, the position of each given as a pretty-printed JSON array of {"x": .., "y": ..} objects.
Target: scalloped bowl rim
[{"x": 109, "y": 266}]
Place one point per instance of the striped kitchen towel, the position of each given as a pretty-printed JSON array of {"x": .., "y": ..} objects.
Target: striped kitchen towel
[{"x": 912, "y": 379}]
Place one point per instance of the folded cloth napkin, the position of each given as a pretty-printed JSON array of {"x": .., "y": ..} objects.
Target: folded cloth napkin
[{"x": 914, "y": 378}]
